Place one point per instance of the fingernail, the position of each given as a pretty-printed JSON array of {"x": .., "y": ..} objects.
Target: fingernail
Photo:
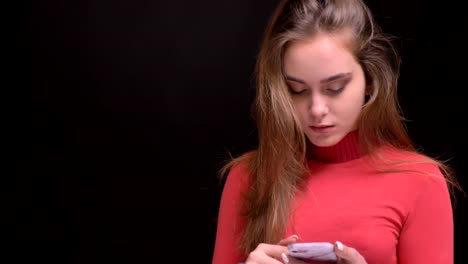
[
  {"x": 285, "y": 258},
  {"x": 295, "y": 237},
  {"x": 339, "y": 245}
]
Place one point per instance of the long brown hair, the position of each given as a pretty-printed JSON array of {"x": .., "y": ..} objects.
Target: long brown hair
[{"x": 277, "y": 168}]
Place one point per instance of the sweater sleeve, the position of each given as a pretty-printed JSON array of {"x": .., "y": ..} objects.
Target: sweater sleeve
[
  {"x": 427, "y": 235},
  {"x": 230, "y": 224}
]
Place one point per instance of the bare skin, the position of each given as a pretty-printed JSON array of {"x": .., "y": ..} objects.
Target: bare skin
[{"x": 277, "y": 254}]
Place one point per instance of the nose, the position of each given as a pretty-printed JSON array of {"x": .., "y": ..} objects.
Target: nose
[{"x": 318, "y": 106}]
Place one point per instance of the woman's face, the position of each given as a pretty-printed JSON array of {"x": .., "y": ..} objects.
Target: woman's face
[{"x": 327, "y": 86}]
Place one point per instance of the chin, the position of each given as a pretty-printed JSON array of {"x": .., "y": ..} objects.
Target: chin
[{"x": 325, "y": 141}]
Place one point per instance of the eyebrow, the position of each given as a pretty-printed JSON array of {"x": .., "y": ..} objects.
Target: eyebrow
[{"x": 326, "y": 80}]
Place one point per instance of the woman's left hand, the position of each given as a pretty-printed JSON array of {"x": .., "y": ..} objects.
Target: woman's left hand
[{"x": 348, "y": 255}]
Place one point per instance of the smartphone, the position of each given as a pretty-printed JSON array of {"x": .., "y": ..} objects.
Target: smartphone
[{"x": 312, "y": 250}]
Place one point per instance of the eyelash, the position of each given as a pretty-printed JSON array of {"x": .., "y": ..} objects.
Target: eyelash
[
  {"x": 336, "y": 91},
  {"x": 331, "y": 91},
  {"x": 296, "y": 93}
]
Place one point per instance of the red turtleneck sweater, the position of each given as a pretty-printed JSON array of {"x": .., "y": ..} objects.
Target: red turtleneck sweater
[{"x": 401, "y": 217}]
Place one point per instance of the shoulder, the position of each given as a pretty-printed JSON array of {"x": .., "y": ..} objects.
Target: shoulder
[
  {"x": 239, "y": 169},
  {"x": 414, "y": 178},
  {"x": 237, "y": 177},
  {"x": 409, "y": 161},
  {"x": 411, "y": 171}
]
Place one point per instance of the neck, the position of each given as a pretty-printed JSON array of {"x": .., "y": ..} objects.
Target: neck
[{"x": 345, "y": 150}]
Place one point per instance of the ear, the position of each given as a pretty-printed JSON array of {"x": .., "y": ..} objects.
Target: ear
[
  {"x": 368, "y": 93},
  {"x": 369, "y": 90}
]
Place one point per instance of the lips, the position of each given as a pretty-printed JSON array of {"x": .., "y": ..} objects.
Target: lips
[{"x": 322, "y": 128}]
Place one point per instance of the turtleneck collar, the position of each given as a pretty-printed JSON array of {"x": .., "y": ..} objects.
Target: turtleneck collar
[{"x": 345, "y": 150}]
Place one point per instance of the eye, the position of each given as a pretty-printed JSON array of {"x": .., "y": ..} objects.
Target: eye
[
  {"x": 292, "y": 91},
  {"x": 335, "y": 90},
  {"x": 338, "y": 86},
  {"x": 296, "y": 90}
]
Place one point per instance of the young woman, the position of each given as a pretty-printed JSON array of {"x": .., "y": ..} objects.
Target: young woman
[{"x": 334, "y": 162}]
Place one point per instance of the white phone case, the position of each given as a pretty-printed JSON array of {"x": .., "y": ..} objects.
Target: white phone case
[{"x": 313, "y": 250}]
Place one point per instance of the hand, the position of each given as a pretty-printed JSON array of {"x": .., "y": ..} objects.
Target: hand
[
  {"x": 348, "y": 255},
  {"x": 273, "y": 254}
]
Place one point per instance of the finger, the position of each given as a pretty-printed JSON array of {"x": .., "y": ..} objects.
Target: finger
[
  {"x": 288, "y": 240},
  {"x": 261, "y": 258},
  {"x": 264, "y": 260},
  {"x": 273, "y": 250},
  {"x": 258, "y": 256},
  {"x": 285, "y": 258},
  {"x": 267, "y": 253},
  {"x": 348, "y": 254}
]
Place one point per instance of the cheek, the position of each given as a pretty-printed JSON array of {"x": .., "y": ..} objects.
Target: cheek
[
  {"x": 352, "y": 107},
  {"x": 349, "y": 106},
  {"x": 301, "y": 112}
]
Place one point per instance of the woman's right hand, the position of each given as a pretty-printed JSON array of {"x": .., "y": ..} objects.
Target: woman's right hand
[
  {"x": 272, "y": 254},
  {"x": 267, "y": 254}
]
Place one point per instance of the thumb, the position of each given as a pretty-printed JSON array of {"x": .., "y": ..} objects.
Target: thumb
[
  {"x": 289, "y": 240},
  {"x": 348, "y": 254}
]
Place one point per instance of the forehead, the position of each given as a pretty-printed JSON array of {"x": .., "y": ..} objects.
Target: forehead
[{"x": 318, "y": 57}]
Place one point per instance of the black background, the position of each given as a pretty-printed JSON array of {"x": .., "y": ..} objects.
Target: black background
[{"x": 131, "y": 107}]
